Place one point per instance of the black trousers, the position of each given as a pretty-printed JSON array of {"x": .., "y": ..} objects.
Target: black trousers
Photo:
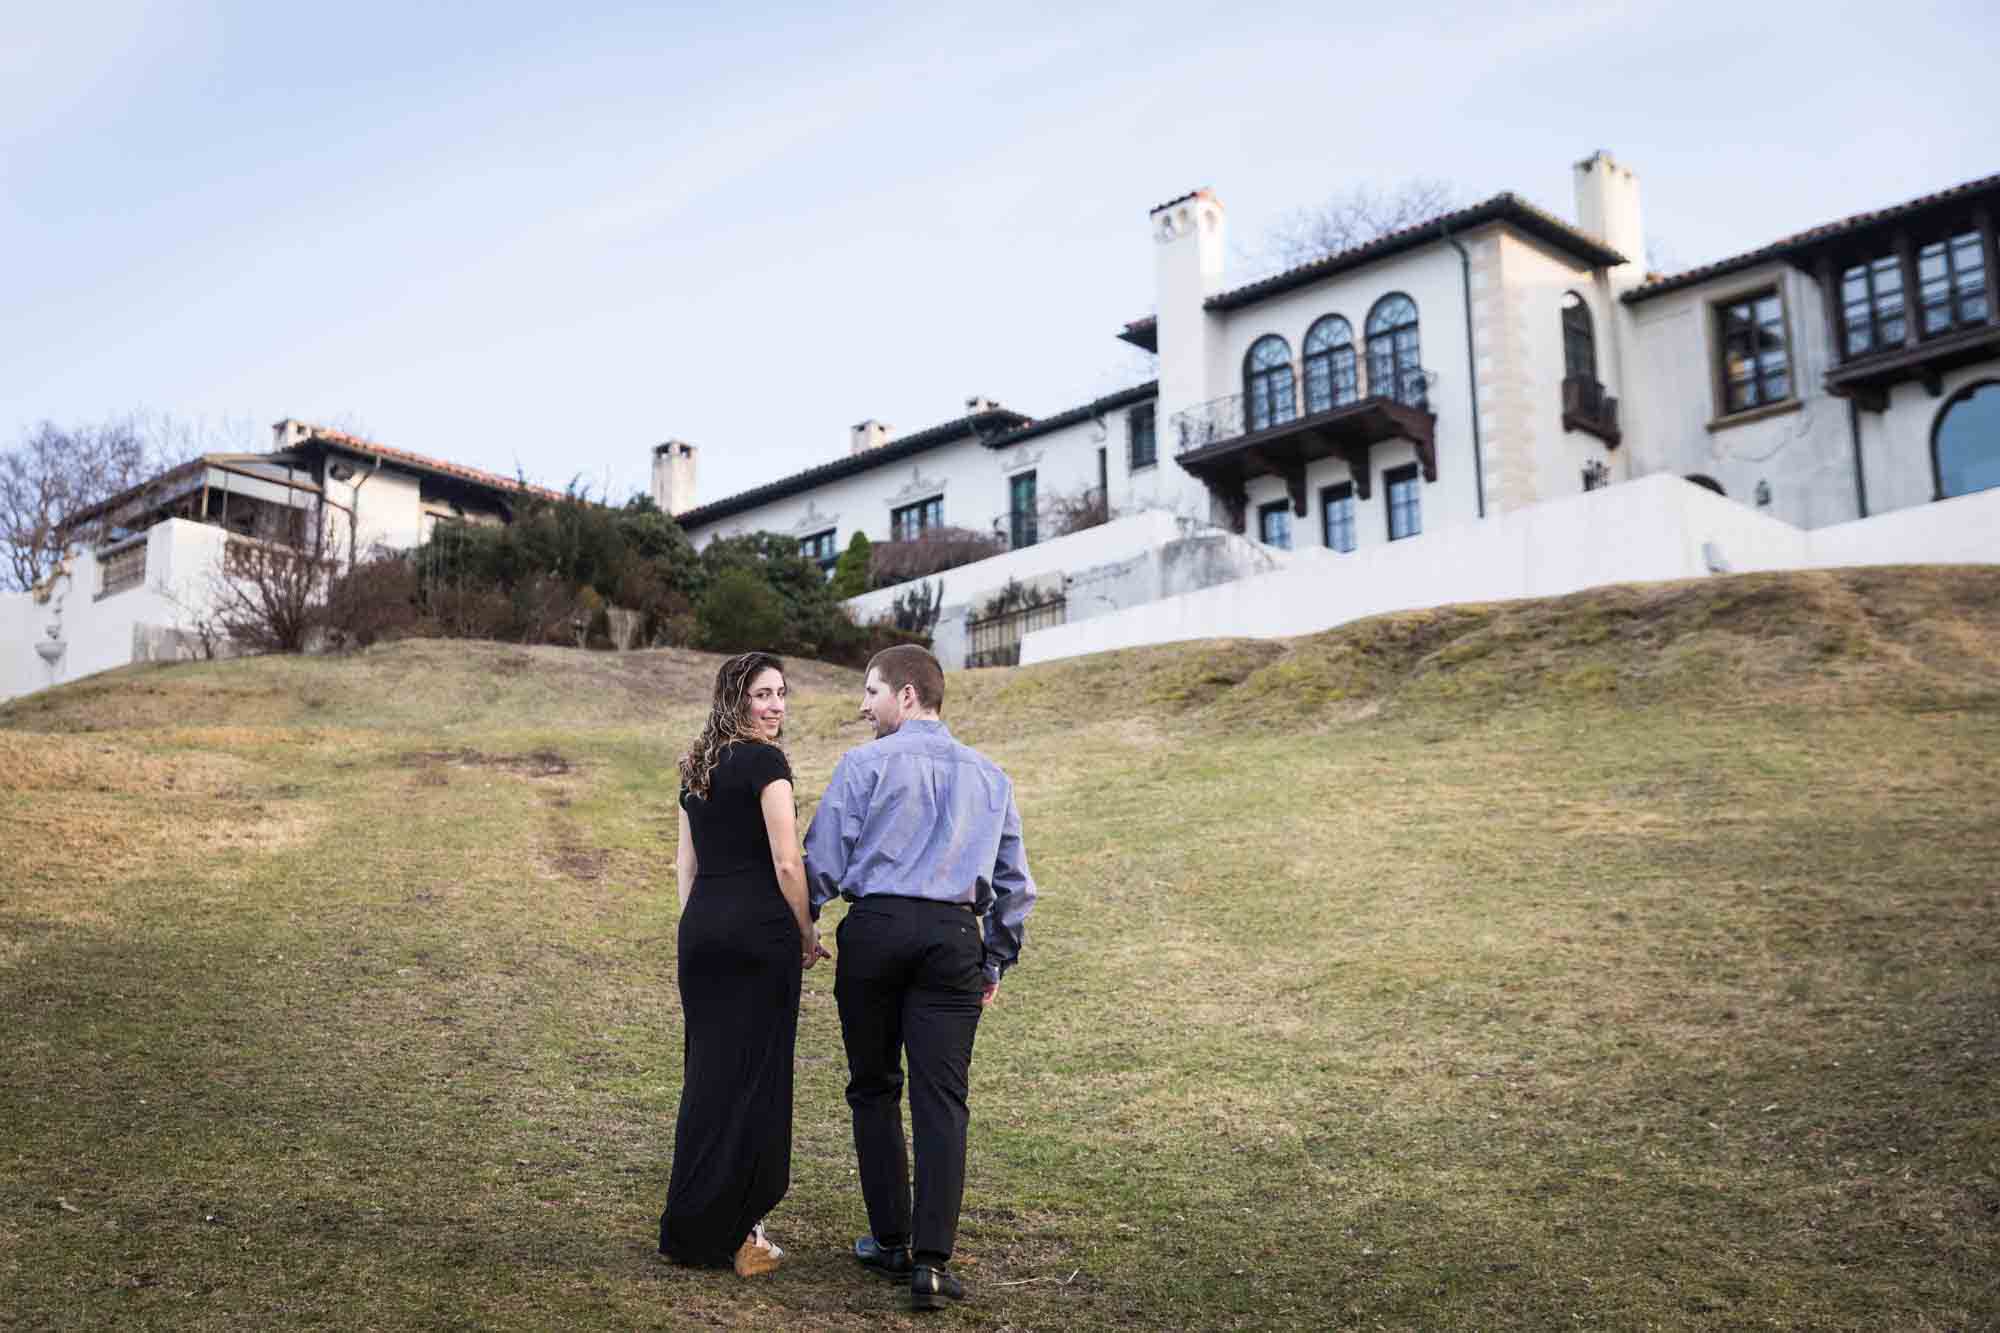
[{"x": 908, "y": 978}]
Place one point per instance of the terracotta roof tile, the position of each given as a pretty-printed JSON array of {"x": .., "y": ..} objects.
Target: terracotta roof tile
[
  {"x": 459, "y": 470},
  {"x": 1787, "y": 247}
]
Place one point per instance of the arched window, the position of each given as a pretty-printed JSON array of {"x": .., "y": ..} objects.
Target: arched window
[
  {"x": 1329, "y": 356},
  {"x": 1395, "y": 362},
  {"x": 1579, "y": 343},
  {"x": 1269, "y": 398},
  {"x": 1965, "y": 443}
]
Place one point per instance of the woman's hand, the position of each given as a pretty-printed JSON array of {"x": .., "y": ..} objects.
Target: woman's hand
[{"x": 810, "y": 949}]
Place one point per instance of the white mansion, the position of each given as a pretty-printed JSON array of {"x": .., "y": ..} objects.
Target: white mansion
[
  {"x": 1496, "y": 403},
  {"x": 1463, "y": 372}
]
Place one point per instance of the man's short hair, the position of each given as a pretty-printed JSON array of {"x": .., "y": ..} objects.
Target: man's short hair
[{"x": 908, "y": 664}]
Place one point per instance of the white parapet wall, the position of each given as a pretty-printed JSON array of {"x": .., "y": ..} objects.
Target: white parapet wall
[
  {"x": 96, "y": 630},
  {"x": 1656, "y": 528},
  {"x": 1126, "y": 562}
]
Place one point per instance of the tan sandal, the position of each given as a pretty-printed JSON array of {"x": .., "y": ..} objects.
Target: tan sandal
[{"x": 757, "y": 1255}]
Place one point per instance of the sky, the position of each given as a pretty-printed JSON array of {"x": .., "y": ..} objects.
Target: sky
[{"x": 542, "y": 238}]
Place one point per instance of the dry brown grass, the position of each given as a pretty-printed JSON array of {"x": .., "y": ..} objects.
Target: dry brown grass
[{"x": 1622, "y": 961}]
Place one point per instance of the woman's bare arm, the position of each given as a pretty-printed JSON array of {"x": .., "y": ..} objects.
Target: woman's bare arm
[
  {"x": 685, "y": 866},
  {"x": 781, "y": 821}
]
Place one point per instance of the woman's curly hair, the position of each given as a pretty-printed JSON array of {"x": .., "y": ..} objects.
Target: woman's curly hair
[{"x": 728, "y": 718}]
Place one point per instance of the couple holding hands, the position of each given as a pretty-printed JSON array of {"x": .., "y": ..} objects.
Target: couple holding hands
[{"x": 920, "y": 834}]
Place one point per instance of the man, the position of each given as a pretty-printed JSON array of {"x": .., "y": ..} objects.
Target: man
[{"x": 921, "y": 835}]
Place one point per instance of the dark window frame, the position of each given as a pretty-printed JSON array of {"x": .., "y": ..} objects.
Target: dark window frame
[
  {"x": 1393, "y": 357},
  {"x": 1394, "y": 479},
  {"x": 1275, "y": 509},
  {"x": 1720, "y": 311},
  {"x": 1263, "y": 380},
  {"x": 1023, "y": 529},
  {"x": 929, "y": 513},
  {"x": 1341, "y": 493},
  {"x": 1960, "y": 395},
  {"x": 1957, "y": 292},
  {"x": 1885, "y": 329},
  {"x": 1337, "y": 364},
  {"x": 1579, "y": 338},
  {"x": 828, "y": 555},
  {"x": 1137, "y": 459}
]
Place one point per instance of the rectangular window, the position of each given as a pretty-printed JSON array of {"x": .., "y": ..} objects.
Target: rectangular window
[
  {"x": 1406, "y": 502},
  {"x": 122, "y": 569},
  {"x": 912, "y": 521},
  {"x": 1951, "y": 278},
  {"x": 1140, "y": 447},
  {"x": 1871, "y": 299},
  {"x": 1336, "y": 511},
  {"x": 1756, "y": 368},
  {"x": 1021, "y": 525},
  {"x": 819, "y": 549},
  {"x": 1274, "y": 524}
]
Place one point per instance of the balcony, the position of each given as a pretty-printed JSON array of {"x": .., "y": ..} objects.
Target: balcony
[
  {"x": 1586, "y": 407},
  {"x": 1868, "y": 379},
  {"x": 1214, "y": 442}
]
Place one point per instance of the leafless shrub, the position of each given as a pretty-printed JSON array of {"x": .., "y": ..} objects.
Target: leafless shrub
[
  {"x": 931, "y": 553},
  {"x": 1073, "y": 511},
  {"x": 374, "y": 600}
]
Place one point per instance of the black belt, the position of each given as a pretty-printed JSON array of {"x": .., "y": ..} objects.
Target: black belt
[{"x": 911, "y": 898}]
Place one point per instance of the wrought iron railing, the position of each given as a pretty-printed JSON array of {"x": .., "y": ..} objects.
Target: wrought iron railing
[
  {"x": 1586, "y": 407},
  {"x": 996, "y": 640},
  {"x": 1225, "y": 418}
]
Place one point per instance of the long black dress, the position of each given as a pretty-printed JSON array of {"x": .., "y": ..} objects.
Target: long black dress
[{"x": 739, "y": 982}]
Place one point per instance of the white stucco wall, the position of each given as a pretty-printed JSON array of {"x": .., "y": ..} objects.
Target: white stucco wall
[
  {"x": 1652, "y": 529},
  {"x": 973, "y": 481},
  {"x": 99, "y": 632},
  {"x": 1673, "y": 413},
  {"x": 1535, "y": 280}
]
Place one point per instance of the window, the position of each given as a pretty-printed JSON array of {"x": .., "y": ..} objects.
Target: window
[
  {"x": 1406, "y": 512},
  {"x": 1965, "y": 445},
  {"x": 820, "y": 549},
  {"x": 1871, "y": 304},
  {"x": 911, "y": 521},
  {"x": 1336, "y": 512},
  {"x": 1141, "y": 450},
  {"x": 1579, "y": 342},
  {"x": 1951, "y": 282},
  {"x": 121, "y": 569},
  {"x": 1755, "y": 368},
  {"x": 1268, "y": 395},
  {"x": 1330, "y": 369},
  {"x": 1274, "y": 524},
  {"x": 1021, "y": 526},
  {"x": 1395, "y": 358}
]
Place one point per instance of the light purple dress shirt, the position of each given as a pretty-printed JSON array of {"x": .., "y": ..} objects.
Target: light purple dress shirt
[{"x": 915, "y": 814}]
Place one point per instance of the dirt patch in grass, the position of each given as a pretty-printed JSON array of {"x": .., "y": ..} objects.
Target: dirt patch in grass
[{"x": 534, "y": 764}]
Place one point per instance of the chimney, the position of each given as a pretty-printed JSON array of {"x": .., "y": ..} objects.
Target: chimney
[
  {"x": 289, "y": 432},
  {"x": 979, "y": 403},
  {"x": 673, "y": 476},
  {"x": 870, "y": 434},
  {"x": 1188, "y": 250},
  {"x": 1607, "y": 206}
]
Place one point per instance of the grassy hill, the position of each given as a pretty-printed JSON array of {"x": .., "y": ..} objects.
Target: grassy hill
[{"x": 1627, "y": 960}]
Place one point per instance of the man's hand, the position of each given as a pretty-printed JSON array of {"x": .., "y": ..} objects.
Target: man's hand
[
  {"x": 811, "y": 950},
  {"x": 989, "y": 996}
]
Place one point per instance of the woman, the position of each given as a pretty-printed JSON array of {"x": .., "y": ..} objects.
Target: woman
[{"x": 745, "y": 937}]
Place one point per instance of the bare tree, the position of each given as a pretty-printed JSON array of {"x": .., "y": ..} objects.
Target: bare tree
[
  {"x": 268, "y": 594},
  {"x": 1353, "y": 217},
  {"x": 57, "y": 472}
]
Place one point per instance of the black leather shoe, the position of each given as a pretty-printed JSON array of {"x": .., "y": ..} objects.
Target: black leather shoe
[
  {"x": 931, "y": 1287},
  {"x": 891, "y": 1261}
]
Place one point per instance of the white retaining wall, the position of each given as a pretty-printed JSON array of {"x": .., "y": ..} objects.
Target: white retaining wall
[
  {"x": 98, "y": 632},
  {"x": 1656, "y": 528}
]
